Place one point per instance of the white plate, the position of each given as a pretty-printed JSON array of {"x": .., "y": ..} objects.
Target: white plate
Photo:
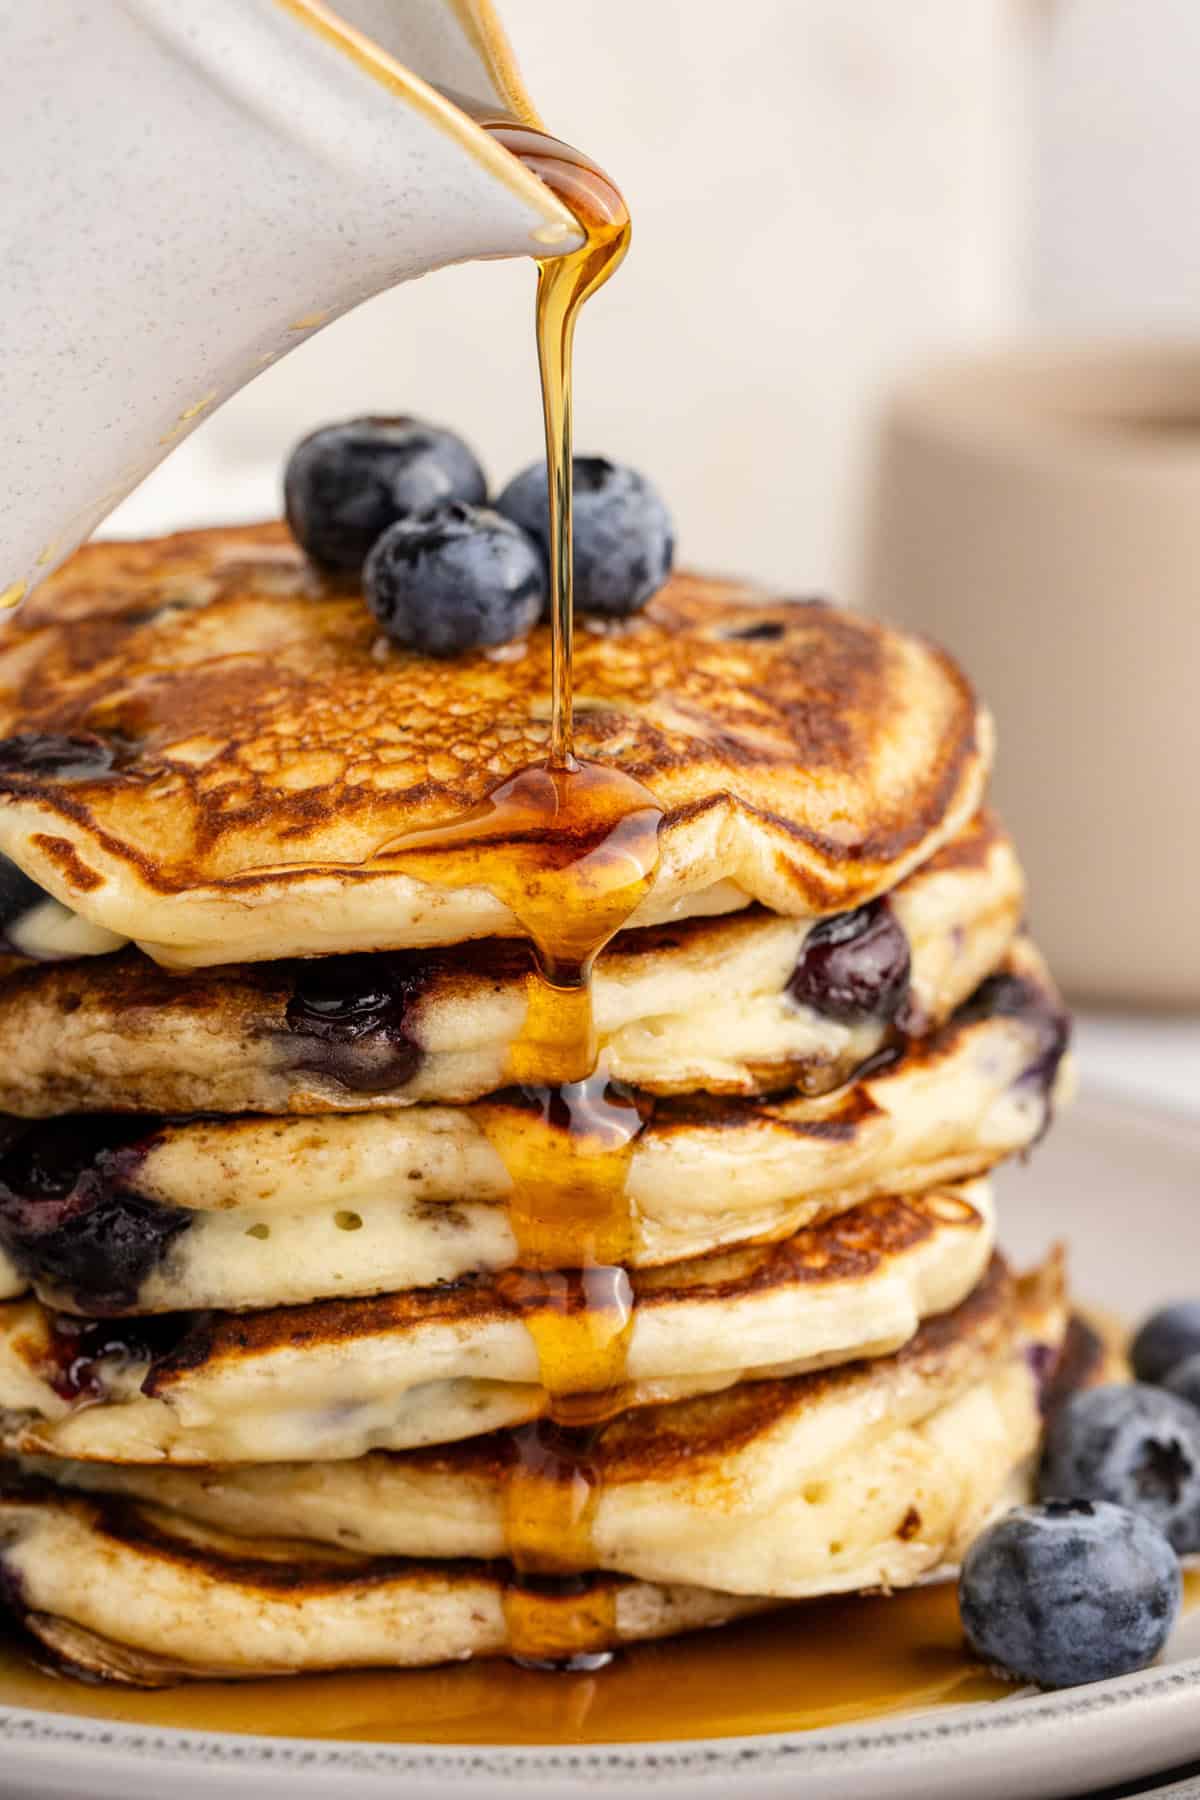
[{"x": 1123, "y": 1187}]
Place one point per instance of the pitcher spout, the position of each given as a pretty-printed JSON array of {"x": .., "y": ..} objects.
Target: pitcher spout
[{"x": 206, "y": 188}]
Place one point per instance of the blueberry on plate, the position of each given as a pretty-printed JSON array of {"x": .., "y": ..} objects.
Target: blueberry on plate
[
  {"x": 455, "y": 578},
  {"x": 1184, "y": 1380},
  {"x": 623, "y": 537},
  {"x": 345, "y": 484},
  {"x": 1165, "y": 1339},
  {"x": 854, "y": 967},
  {"x": 1069, "y": 1591},
  {"x": 1137, "y": 1446}
]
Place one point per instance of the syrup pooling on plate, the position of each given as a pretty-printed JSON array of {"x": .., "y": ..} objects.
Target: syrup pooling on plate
[
  {"x": 828, "y": 1662},
  {"x": 571, "y": 848}
]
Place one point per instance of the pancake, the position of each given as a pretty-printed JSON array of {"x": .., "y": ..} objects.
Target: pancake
[
  {"x": 112, "y": 1215},
  {"x": 705, "y": 1004},
  {"x": 874, "y": 1475},
  {"x": 338, "y": 1377},
  {"x": 205, "y": 748},
  {"x": 126, "y": 1593}
]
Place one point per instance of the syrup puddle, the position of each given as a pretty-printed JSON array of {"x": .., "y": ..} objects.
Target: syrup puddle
[
  {"x": 817, "y": 1663},
  {"x": 820, "y": 1663}
]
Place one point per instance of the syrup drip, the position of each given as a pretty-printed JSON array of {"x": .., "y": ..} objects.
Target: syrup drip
[
  {"x": 571, "y": 848},
  {"x": 567, "y": 1152},
  {"x": 572, "y": 852}
]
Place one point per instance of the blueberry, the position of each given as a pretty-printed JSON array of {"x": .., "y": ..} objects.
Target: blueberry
[
  {"x": 18, "y": 894},
  {"x": 79, "y": 1349},
  {"x": 1184, "y": 1380},
  {"x": 348, "y": 1013},
  {"x": 79, "y": 756},
  {"x": 345, "y": 484},
  {"x": 623, "y": 538},
  {"x": 1134, "y": 1445},
  {"x": 453, "y": 579},
  {"x": 1069, "y": 1591},
  {"x": 101, "y": 1254},
  {"x": 1165, "y": 1339},
  {"x": 1049, "y": 1026},
  {"x": 855, "y": 966},
  {"x": 1015, "y": 997},
  {"x": 66, "y": 1218}
]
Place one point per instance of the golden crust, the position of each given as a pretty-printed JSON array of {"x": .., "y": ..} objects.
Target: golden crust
[
  {"x": 263, "y": 739},
  {"x": 875, "y": 1475},
  {"x": 119, "y": 1033}
]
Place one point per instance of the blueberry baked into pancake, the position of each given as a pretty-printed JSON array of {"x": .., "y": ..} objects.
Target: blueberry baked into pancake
[{"x": 405, "y": 1135}]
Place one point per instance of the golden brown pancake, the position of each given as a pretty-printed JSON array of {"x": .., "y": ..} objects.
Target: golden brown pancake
[
  {"x": 704, "y": 1004},
  {"x": 150, "y": 1599},
  {"x": 877, "y": 1474},
  {"x": 249, "y": 744},
  {"x": 339, "y": 1377},
  {"x": 116, "y": 1214}
]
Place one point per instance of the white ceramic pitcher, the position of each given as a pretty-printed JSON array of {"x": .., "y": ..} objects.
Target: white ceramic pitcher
[{"x": 189, "y": 188}]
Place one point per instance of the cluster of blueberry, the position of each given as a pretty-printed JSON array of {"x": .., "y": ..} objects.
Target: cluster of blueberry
[
  {"x": 404, "y": 504},
  {"x": 1086, "y": 1584}
]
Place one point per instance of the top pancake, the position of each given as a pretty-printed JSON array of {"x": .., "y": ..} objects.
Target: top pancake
[{"x": 265, "y": 742}]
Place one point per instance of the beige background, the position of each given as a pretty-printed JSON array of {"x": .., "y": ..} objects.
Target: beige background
[
  {"x": 823, "y": 190},
  {"x": 942, "y": 174}
]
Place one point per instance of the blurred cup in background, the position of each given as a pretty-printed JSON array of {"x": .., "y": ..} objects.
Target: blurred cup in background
[{"x": 1039, "y": 513}]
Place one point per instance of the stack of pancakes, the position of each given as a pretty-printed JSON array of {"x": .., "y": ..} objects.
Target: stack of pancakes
[{"x": 264, "y": 1372}]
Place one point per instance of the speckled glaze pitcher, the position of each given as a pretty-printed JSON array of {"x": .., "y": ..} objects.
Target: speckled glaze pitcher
[{"x": 190, "y": 190}]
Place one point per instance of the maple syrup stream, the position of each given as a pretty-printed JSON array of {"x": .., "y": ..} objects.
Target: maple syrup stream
[{"x": 571, "y": 848}]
